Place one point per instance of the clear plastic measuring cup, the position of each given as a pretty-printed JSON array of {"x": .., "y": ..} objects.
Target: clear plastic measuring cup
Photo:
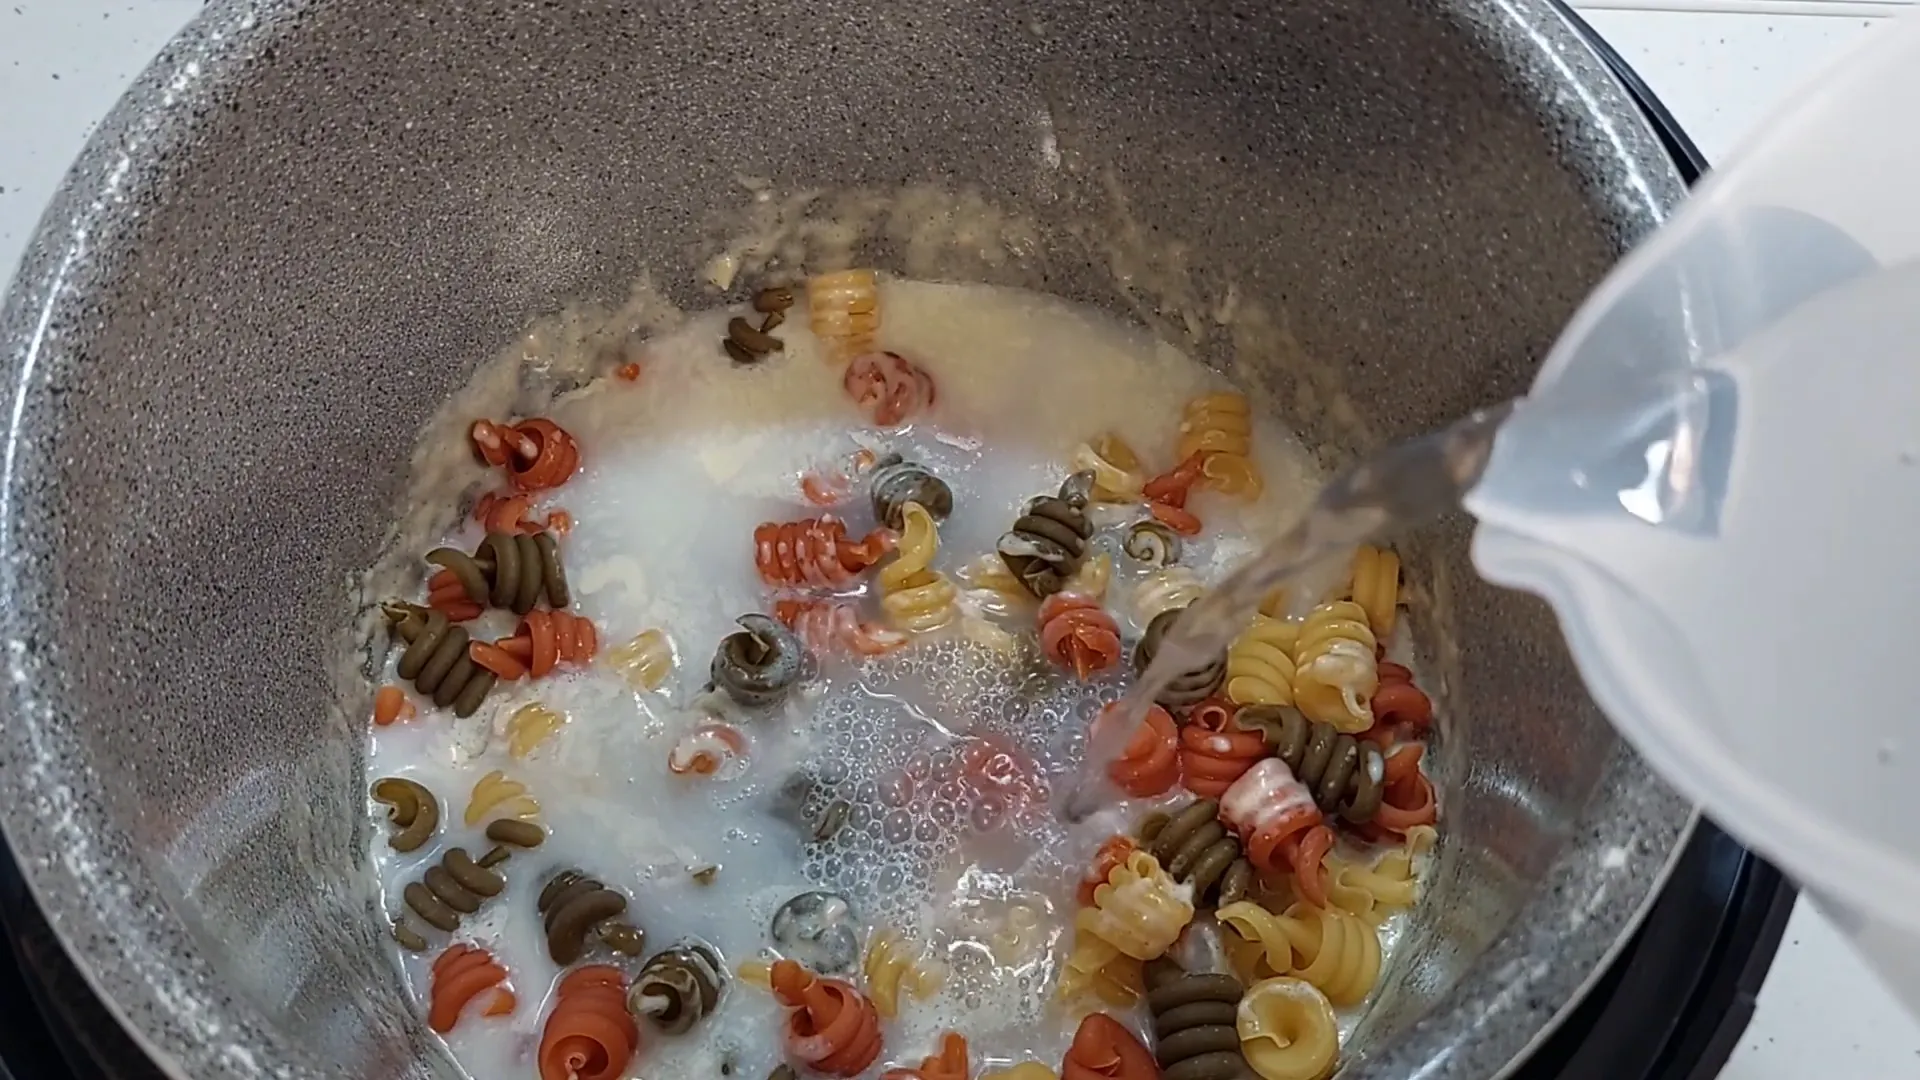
[{"x": 1716, "y": 483}]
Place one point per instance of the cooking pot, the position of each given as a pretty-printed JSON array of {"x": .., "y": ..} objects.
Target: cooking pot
[{"x": 312, "y": 219}]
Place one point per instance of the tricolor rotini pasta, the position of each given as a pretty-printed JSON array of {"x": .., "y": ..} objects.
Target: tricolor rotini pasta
[
  {"x": 843, "y": 308},
  {"x": 1221, "y": 427},
  {"x": 496, "y": 795},
  {"x": 1332, "y": 949},
  {"x": 1260, "y": 668},
  {"x": 1137, "y": 913},
  {"x": 916, "y": 597},
  {"x": 1376, "y": 588},
  {"x": 1288, "y": 1031},
  {"x": 893, "y": 967},
  {"x": 1334, "y": 674}
]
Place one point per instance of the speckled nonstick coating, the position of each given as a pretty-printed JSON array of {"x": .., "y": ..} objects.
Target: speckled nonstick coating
[{"x": 309, "y": 220}]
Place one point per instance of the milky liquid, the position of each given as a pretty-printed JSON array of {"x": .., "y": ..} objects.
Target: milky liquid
[{"x": 677, "y": 470}]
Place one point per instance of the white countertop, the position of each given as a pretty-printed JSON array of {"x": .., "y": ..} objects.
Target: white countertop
[{"x": 1718, "y": 65}]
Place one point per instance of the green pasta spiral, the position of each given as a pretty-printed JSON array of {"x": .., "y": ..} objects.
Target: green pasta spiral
[
  {"x": 678, "y": 987},
  {"x": 452, "y": 888},
  {"x": 1191, "y": 687},
  {"x": 896, "y": 482},
  {"x": 1049, "y": 542},
  {"x": 1199, "y": 851},
  {"x": 509, "y": 571},
  {"x": 1195, "y": 1032},
  {"x": 436, "y": 659},
  {"x": 1344, "y": 774},
  {"x": 575, "y": 906}
]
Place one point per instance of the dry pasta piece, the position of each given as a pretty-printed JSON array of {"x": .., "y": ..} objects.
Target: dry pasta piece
[
  {"x": 891, "y": 388},
  {"x": 994, "y": 586},
  {"x": 1376, "y": 587},
  {"x": 1408, "y": 800},
  {"x": 1150, "y": 763},
  {"x": 1111, "y": 854},
  {"x": 1287, "y": 1031},
  {"x": 411, "y": 809},
  {"x": 815, "y": 552},
  {"x": 543, "y": 641},
  {"x": 530, "y": 726},
  {"x": 1137, "y": 914},
  {"x": 1335, "y": 673},
  {"x": 1371, "y": 893},
  {"x": 590, "y": 1035},
  {"x": 1164, "y": 590},
  {"x": 496, "y": 795},
  {"x": 1193, "y": 1022},
  {"x": 536, "y": 454},
  {"x": 1198, "y": 851},
  {"x": 460, "y": 974},
  {"x": 1167, "y": 495},
  {"x": 916, "y": 597},
  {"x": 1220, "y": 426},
  {"x": 1397, "y": 703},
  {"x": 1260, "y": 667},
  {"x": 823, "y": 625},
  {"x": 843, "y": 308},
  {"x": 1215, "y": 750},
  {"x": 891, "y": 967},
  {"x": 949, "y": 1064},
  {"x": 1279, "y": 825},
  {"x": 678, "y": 987},
  {"x": 646, "y": 661},
  {"x": 1103, "y": 1049},
  {"x": 832, "y": 1028},
  {"x": 1117, "y": 472},
  {"x": 1338, "y": 953},
  {"x": 1346, "y": 775},
  {"x": 1076, "y": 632}
]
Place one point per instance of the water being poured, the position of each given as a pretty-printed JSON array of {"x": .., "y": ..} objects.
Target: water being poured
[{"x": 1406, "y": 484}]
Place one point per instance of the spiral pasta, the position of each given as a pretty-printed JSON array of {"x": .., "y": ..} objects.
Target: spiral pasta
[
  {"x": 1165, "y": 590},
  {"x": 916, "y": 597},
  {"x": 1137, "y": 913},
  {"x": 496, "y": 795},
  {"x": 1334, "y": 673},
  {"x": 1345, "y": 775},
  {"x": 543, "y": 641},
  {"x": 507, "y": 571},
  {"x": 1093, "y": 578},
  {"x": 1150, "y": 762},
  {"x": 1329, "y": 948},
  {"x": 1076, "y": 632},
  {"x": 677, "y": 988},
  {"x": 1279, "y": 825},
  {"x": 759, "y": 664},
  {"x": 890, "y": 968},
  {"x": 1371, "y": 893},
  {"x": 1397, "y": 702},
  {"x": 824, "y": 487},
  {"x": 831, "y": 1028},
  {"x": 574, "y": 907},
  {"x": 1167, "y": 494},
  {"x": 891, "y": 388},
  {"x": 1188, "y": 688},
  {"x": 814, "y": 552},
  {"x": 1221, "y": 427},
  {"x": 530, "y": 726},
  {"x": 1049, "y": 541},
  {"x": 451, "y": 888},
  {"x": 1198, "y": 851},
  {"x": 897, "y": 482},
  {"x": 706, "y": 750},
  {"x": 1152, "y": 543},
  {"x": 1116, "y": 469},
  {"x": 411, "y": 809},
  {"x": 645, "y": 661},
  {"x": 391, "y": 705},
  {"x": 1287, "y": 1031},
  {"x": 460, "y": 974},
  {"x": 1193, "y": 1023},
  {"x": 823, "y": 625},
  {"x": 536, "y": 454},
  {"x": 589, "y": 1035},
  {"x": 1408, "y": 801},
  {"x": 1260, "y": 667},
  {"x": 949, "y": 1064},
  {"x": 1376, "y": 588},
  {"x": 436, "y": 660},
  {"x": 843, "y": 308},
  {"x": 1216, "y": 749},
  {"x": 1103, "y": 1049},
  {"x": 1002, "y": 591}
]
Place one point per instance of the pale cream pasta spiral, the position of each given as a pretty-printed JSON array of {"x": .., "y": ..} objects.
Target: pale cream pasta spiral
[
  {"x": 1164, "y": 590},
  {"x": 916, "y": 597},
  {"x": 891, "y": 967},
  {"x": 496, "y": 795},
  {"x": 1093, "y": 578},
  {"x": 994, "y": 587},
  {"x": 646, "y": 661},
  {"x": 1260, "y": 667},
  {"x": 1335, "y": 674},
  {"x": 1376, "y": 588},
  {"x": 1221, "y": 425},
  {"x": 1117, "y": 472},
  {"x": 1330, "y": 948},
  {"x": 1287, "y": 1030},
  {"x": 1137, "y": 914},
  {"x": 1372, "y": 893},
  {"x": 843, "y": 308},
  {"x": 530, "y": 726}
]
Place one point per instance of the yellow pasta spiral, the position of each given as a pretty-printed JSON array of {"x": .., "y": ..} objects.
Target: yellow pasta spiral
[
  {"x": 890, "y": 968},
  {"x": 755, "y": 973},
  {"x": 1332, "y": 949},
  {"x": 1164, "y": 590},
  {"x": 844, "y": 310},
  {"x": 1222, "y": 425},
  {"x": 1137, "y": 915},
  {"x": 1372, "y": 893},
  {"x": 1117, "y": 473},
  {"x": 1001, "y": 592},
  {"x": 1093, "y": 577},
  {"x": 646, "y": 661},
  {"x": 1287, "y": 1030},
  {"x": 914, "y": 596},
  {"x": 1026, "y": 1070},
  {"x": 531, "y": 725},
  {"x": 498, "y": 796},
  {"x": 1260, "y": 663},
  {"x": 1334, "y": 674},
  {"x": 1376, "y": 588}
]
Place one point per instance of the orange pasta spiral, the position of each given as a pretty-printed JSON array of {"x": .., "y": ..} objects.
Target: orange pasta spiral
[
  {"x": 1214, "y": 750},
  {"x": 1280, "y": 826},
  {"x": 1103, "y": 1049},
  {"x": 891, "y": 388},
  {"x": 1166, "y": 494},
  {"x": 814, "y": 552},
  {"x": 1150, "y": 764},
  {"x": 544, "y": 640},
  {"x": 949, "y": 1064},
  {"x": 1114, "y": 852},
  {"x": 1408, "y": 799},
  {"x": 1398, "y": 703},
  {"x": 833, "y": 1028},
  {"x": 537, "y": 454},
  {"x": 459, "y": 975},
  {"x": 825, "y": 624},
  {"x": 590, "y": 1035},
  {"x": 1077, "y": 632}
]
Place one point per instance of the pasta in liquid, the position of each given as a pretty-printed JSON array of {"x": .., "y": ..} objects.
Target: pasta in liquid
[{"x": 944, "y": 751}]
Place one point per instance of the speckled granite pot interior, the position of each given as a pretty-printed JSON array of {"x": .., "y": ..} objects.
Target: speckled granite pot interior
[{"x": 310, "y": 220}]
